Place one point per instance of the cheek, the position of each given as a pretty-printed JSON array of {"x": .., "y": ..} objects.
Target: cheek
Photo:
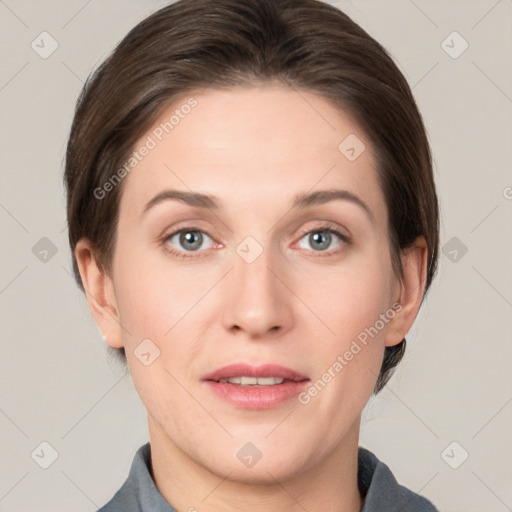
[
  {"x": 353, "y": 296},
  {"x": 347, "y": 361},
  {"x": 158, "y": 308},
  {"x": 352, "y": 305},
  {"x": 150, "y": 299}
]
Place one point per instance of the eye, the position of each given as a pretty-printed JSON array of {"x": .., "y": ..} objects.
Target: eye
[
  {"x": 184, "y": 242},
  {"x": 321, "y": 238},
  {"x": 187, "y": 240}
]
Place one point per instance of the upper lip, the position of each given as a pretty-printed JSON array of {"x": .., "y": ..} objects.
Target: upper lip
[{"x": 265, "y": 370}]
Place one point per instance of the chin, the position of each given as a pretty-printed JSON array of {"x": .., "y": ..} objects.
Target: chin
[
  {"x": 263, "y": 462},
  {"x": 263, "y": 472}
]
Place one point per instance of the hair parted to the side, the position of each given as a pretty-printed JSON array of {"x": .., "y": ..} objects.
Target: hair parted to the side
[{"x": 306, "y": 44}]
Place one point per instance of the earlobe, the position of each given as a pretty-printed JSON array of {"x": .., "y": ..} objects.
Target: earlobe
[
  {"x": 99, "y": 291},
  {"x": 412, "y": 286}
]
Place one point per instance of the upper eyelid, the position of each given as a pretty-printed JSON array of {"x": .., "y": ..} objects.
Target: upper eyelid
[
  {"x": 323, "y": 226},
  {"x": 326, "y": 226}
]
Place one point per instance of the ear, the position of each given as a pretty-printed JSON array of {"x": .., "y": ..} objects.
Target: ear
[
  {"x": 410, "y": 289},
  {"x": 99, "y": 290}
]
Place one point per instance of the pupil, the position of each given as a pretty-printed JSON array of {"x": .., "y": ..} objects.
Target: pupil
[
  {"x": 188, "y": 238},
  {"x": 317, "y": 237}
]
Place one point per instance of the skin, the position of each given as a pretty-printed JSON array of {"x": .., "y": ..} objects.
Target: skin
[{"x": 295, "y": 305}]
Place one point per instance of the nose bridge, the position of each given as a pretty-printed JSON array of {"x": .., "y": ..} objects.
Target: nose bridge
[
  {"x": 252, "y": 266},
  {"x": 257, "y": 300}
]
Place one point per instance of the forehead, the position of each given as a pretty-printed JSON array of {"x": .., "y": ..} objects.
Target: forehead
[{"x": 259, "y": 141}]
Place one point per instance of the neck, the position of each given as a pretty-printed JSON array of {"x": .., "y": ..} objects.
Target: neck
[{"x": 330, "y": 485}]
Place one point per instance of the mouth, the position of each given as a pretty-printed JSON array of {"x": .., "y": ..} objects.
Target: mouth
[
  {"x": 242, "y": 374},
  {"x": 255, "y": 387},
  {"x": 253, "y": 381}
]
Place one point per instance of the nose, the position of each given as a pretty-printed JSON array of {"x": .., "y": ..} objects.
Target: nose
[{"x": 259, "y": 301}]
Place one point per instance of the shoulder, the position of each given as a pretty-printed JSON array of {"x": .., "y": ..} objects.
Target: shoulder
[
  {"x": 126, "y": 499},
  {"x": 122, "y": 501},
  {"x": 383, "y": 492},
  {"x": 138, "y": 493}
]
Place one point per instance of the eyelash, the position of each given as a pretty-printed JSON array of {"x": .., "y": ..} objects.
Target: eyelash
[{"x": 326, "y": 228}]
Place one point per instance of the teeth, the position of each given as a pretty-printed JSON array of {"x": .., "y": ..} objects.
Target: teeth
[
  {"x": 269, "y": 381},
  {"x": 253, "y": 381}
]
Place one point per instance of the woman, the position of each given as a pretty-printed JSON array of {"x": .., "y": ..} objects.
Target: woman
[{"x": 253, "y": 218}]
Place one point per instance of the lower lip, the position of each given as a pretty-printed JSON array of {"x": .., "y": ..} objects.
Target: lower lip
[{"x": 249, "y": 397}]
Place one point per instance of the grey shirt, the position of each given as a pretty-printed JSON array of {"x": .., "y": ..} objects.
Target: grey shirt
[{"x": 375, "y": 480}]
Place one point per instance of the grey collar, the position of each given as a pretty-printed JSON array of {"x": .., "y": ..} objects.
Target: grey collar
[{"x": 374, "y": 478}]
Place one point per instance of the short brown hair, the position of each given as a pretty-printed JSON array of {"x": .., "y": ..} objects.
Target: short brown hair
[{"x": 306, "y": 44}]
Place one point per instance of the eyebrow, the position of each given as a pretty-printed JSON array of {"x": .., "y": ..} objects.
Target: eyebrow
[{"x": 301, "y": 201}]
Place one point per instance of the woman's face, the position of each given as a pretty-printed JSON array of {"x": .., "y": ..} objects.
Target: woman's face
[{"x": 247, "y": 278}]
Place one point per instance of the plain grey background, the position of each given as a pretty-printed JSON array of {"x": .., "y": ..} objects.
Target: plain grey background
[{"x": 442, "y": 424}]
